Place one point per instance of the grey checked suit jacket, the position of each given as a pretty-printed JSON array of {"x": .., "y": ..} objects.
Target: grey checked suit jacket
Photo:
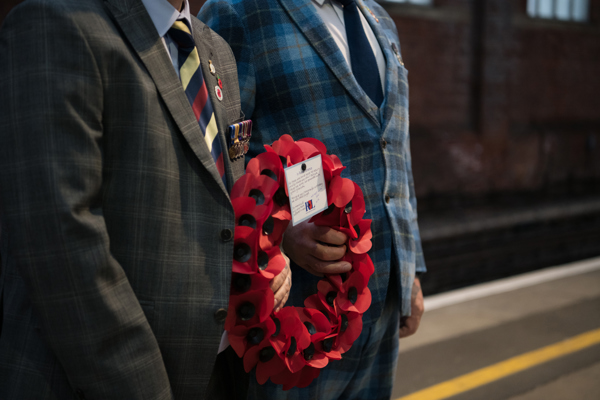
[{"x": 116, "y": 228}]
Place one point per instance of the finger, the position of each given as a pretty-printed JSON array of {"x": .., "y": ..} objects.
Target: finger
[
  {"x": 319, "y": 267},
  {"x": 328, "y": 235},
  {"x": 281, "y": 304},
  {"x": 408, "y": 326},
  {"x": 328, "y": 253},
  {"x": 281, "y": 296}
]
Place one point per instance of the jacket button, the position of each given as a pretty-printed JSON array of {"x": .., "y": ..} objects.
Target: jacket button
[
  {"x": 226, "y": 235},
  {"x": 387, "y": 198},
  {"x": 220, "y": 315},
  {"x": 383, "y": 144}
]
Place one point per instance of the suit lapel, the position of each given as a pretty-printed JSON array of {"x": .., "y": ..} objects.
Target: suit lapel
[
  {"x": 204, "y": 43},
  {"x": 134, "y": 21},
  {"x": 304, "y": 14}
]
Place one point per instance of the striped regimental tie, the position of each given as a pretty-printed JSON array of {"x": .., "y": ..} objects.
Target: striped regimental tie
[{"x": 196, "y": 91}]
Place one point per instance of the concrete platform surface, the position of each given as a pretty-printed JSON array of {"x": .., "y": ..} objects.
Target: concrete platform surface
[{"x": 478, "y": 334}]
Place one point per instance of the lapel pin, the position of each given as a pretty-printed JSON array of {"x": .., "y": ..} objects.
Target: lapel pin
[
  {"x": 397, "y": 53},
  {"x": 373, "y": 14},
  {"x": 211, "y": 67},
  {"x": 220, "y": 82},
  {"x": 219, "y": 93}
]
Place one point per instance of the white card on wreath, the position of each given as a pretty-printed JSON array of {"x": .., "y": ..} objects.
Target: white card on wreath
[{"x": 306, "y": 189}]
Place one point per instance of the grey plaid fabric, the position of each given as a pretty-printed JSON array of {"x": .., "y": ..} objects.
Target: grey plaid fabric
[
  {"x": 294, "y": 80},
  {"x": 116, "y": 228}
]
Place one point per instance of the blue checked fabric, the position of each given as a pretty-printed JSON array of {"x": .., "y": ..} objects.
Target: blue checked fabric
[
  {"x": 288, "y": 86},
  {"x": 194, "y": 85}
]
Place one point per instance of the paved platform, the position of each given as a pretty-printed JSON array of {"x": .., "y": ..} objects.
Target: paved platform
[{"x": 539, "y": 341}]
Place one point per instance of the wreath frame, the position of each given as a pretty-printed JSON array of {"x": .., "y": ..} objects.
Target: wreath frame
[{"x": 291, "y": 346}]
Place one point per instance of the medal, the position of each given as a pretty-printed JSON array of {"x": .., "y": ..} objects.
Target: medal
[{"x": 239, "y": 138}]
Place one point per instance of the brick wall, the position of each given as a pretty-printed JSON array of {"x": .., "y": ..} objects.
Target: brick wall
[{"x": 501, "y": 103}]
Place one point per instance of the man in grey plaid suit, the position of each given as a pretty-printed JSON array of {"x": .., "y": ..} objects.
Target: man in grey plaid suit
[
  {"x": 297, "y": 76},
  {"x": 117, "y": 229}
]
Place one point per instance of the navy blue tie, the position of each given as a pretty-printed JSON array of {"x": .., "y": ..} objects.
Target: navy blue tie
[{"x": 362, "y": 59}]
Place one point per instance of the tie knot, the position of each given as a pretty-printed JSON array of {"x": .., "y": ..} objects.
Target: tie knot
[
  {"x": 346, "y": 2},
  {"x": 181, "y": 34}
]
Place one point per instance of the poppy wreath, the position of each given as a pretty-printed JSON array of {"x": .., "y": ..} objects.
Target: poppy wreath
[{"x": 292, "y": 345}]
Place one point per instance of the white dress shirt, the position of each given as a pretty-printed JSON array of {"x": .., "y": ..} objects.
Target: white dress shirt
[
  {"x": 164, "y": 15},
  {"x": 332, "y": 14}
]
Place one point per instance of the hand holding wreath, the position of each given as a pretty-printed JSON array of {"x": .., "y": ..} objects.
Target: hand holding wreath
[{"x": 317, "y": 249}]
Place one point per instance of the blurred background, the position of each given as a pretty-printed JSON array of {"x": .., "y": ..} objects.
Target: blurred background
[{"x": 505, "y": 132}]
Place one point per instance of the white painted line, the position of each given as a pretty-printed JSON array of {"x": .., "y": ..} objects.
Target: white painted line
[{"x": 508, "y": 284}]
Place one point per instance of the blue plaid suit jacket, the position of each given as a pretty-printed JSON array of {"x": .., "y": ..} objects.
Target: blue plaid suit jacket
[{"x": 294, "y": 80}]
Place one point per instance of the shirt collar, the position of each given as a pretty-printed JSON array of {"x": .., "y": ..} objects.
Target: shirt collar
[
  {"x": 319, "y": 2},
  {"x": 163, "y": 14}
]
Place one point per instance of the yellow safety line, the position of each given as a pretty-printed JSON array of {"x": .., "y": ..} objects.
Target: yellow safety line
[{"x": 505, "y": 368}]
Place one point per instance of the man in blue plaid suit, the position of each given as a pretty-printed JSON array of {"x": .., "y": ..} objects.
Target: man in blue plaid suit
[{"x": 295, "y": 79}]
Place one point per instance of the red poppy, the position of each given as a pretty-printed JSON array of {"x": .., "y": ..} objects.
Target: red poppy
[
  {"x": 360, "y": 261},
  {"x": 319, "y": 302},
  {"x": 271, "y": 231},
  {"x": 244, "y": 337},
  {"x": 244, "y": 250},
  {"x": 350, "y": 327},
  {"x": 247, "y": 205},
  {"x": 249, "y": 256},
  {"x": 362, "y": 242},
  {"x": 308, "y": 150},
  {"x": 270, "y": 263},
  {"x": 295, "y": 337},
  {"x": 260, "y": 188},
  {"x": 316, "y": 143},
  {"x": 288, "y": 149},
  {"x": 266, "y": 359},
  {"x": 247, "y": 213},
  {"x": 353, "y": 294},
  {"x": 241, "y": 283},
  {"x": 250, "y": 308},
  {"x": 269, "y": 164},
  {"x": 341, "y": 191},
  {"x": 357, "y": 208},
  {"x": 319, "y": 328},
  {"x": 326, "y": 345}
]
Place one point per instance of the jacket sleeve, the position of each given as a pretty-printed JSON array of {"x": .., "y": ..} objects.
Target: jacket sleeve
[
  {"x": 221, "y": 17},
  {"x": 51, "y": 134}
]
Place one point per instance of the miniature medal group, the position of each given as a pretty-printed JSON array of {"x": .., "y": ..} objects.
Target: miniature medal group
[{"x": 239, "y": 138}]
